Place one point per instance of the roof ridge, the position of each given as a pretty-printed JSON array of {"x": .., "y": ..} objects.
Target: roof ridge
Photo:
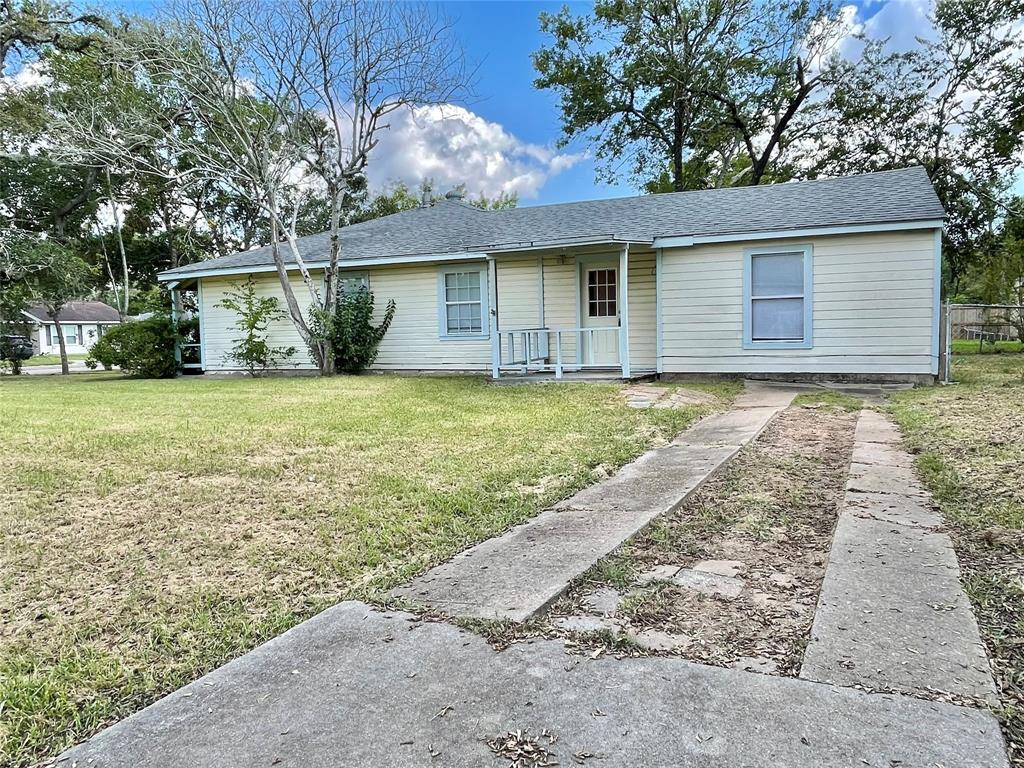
[{"x": 713, "y": 190}]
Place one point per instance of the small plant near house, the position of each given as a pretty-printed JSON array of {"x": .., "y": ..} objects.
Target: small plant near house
[
  {"x": 353, "y": 336},
  {"x": 255, "y": 313},
  {"x": 143, "y": 348}
]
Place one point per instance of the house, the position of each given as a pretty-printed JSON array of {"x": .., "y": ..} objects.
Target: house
[
  {"x": 836, "y": 278},
  {"x": 81, "y": 322}
]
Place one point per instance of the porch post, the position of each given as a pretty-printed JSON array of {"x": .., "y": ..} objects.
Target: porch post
[
  {"x": 624, "y": 310},
  {"x": 175, "y": 301},
  {"x": 658, "y": 329},
  {"x": 492, "y": 316}
]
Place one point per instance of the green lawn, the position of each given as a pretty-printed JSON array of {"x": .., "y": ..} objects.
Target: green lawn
[
  {"x": 50, "y": 359},
  {"x": 151, "y": 530},
  {"x": 970, "y": 347},
  {"x": 970, "y": 440}
]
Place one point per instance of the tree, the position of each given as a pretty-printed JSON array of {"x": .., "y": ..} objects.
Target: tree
[
  {"x": 293, "y": 97},
  {"x": 255, "y": 314},
  {"x": 999, "y": 279},
  {"x": 709, "y": 90},
  {"x": 354, "y": 336},
  {"x": 14, "y": 292},
  {"x": 34, "y": 24},
  {"x": 954, "y": 104},
  {"x": 397, "y": 197},
  {"x": 55, "y": 276}
]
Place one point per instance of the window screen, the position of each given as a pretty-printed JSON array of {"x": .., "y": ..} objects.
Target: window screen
[{"x": 777, "y": 296}]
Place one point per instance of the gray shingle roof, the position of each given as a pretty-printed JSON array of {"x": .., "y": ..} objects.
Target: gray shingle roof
[
  {"x": 78, "y": 312},
  {"x": 453, "y": 227}
]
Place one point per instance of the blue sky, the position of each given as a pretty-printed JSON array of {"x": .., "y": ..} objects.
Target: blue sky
[{"x": 500, "y": 35}]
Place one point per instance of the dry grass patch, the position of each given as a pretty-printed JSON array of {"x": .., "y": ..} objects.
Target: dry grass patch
[{"x": 151, "y": 530}]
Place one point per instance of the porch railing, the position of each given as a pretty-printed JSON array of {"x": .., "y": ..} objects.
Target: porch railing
[{"x": 530, "y": 350}]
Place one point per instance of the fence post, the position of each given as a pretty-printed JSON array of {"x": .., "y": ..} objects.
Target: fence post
[{"x": 947, "y": 363}]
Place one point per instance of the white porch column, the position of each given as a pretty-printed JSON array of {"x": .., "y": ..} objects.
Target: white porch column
[
  {"x": 175, "y": 304},
  {"x": 624, "y": 310},
  {"x": 492, "y": 316}
]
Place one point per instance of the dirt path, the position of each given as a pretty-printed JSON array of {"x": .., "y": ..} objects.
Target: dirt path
[{"x": 732, "y": 577}]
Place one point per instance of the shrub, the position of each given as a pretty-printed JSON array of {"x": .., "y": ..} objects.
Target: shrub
[
  {"x": 255, "y": 314},
  {"x": 143, "y": 348},
  {"x": 354, "y": 337}
]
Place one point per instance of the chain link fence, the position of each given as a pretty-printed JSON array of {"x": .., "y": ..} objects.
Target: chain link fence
[{"x": 992, "y": 326}]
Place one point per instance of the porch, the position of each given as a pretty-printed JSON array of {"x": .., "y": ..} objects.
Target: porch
[{"x": 588, "y": 313}]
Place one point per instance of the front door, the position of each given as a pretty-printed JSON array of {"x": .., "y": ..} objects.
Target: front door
[{"x": 599, "y": 308}]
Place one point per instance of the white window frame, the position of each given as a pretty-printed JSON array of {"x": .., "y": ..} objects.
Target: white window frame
[
  {"x": 807, "y": 342},
  {"x": 442, "y": 304}
]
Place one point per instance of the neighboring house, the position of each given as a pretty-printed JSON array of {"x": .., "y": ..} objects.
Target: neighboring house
[
  {"x": 82, "y": 323},
  {"x": 837, "y": 278}
]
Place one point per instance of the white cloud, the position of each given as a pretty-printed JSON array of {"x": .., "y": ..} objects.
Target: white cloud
[
  {"x": 453, "y": 145},
  {"x": 28, "y": 76},
  {"x": 901, "y": 22}
]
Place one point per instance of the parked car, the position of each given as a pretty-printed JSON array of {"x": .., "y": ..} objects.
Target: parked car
[{"x": 15, "y": 348}]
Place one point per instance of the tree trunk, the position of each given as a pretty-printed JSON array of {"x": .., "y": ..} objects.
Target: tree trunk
[
  {"x": 294, "y": 311},
  {"x": 120, "y": 243},
  {"x": 678, "y": 184},
  {"x": 63, "y": 347}
]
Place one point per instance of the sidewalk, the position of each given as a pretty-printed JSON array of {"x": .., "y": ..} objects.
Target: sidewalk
[
  {"x": 892, "y": 614},
  {"x": 361, "y": 688}
]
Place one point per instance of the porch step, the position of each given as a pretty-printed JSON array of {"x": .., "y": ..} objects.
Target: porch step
[
  {"x": 609, "y": 376},
  {"x": 518, "y": 574}
]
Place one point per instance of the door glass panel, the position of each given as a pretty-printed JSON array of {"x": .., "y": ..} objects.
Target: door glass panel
[{"x": 601, "y": 293}]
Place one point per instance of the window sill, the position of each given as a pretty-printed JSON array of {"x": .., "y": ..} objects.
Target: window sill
[
  {"x": 464, "y": 337},
  {"x": 805, "y": 344}
]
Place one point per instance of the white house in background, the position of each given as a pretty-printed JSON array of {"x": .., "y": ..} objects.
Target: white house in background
[
  {"x": 82, "y": 323},
  {"x": 834, "y": 278}
]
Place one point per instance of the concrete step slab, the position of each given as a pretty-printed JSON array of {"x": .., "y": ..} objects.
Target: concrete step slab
[
  {"x": 357, "y": 687},
  {"x": 883, "y": 478},
  {"x": 880, "y": 453},
  {"x": 873, "y": 427},
  {"x": 882, "y": 544}
]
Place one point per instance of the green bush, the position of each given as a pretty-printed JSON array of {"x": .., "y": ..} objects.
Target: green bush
[
  {"x": 351, "y": 330},
  {"x": 143, "y": 348},
  {"x": 256, "y": 314}
]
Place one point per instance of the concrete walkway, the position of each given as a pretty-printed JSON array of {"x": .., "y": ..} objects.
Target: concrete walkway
[
  {"x": 518, "y": 574},
  {"x": 892, "y": 613},
  {"x": 357, "y": 687}
]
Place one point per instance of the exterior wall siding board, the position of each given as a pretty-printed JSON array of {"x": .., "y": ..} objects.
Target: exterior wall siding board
[
  {"x": 219, "y": 333},
  {"x": 642, "y": 311},
  {"x": 872, "y": 308}
]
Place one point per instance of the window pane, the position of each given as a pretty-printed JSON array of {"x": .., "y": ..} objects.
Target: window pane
[
  {"x": 777, "y": 320},
  {"x": 777, "y": 274}
]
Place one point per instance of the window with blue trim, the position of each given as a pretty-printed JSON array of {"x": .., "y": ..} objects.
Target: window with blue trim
[
  {"x": 463, "y": 302},
  {"x": 778, "y": 298}
]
